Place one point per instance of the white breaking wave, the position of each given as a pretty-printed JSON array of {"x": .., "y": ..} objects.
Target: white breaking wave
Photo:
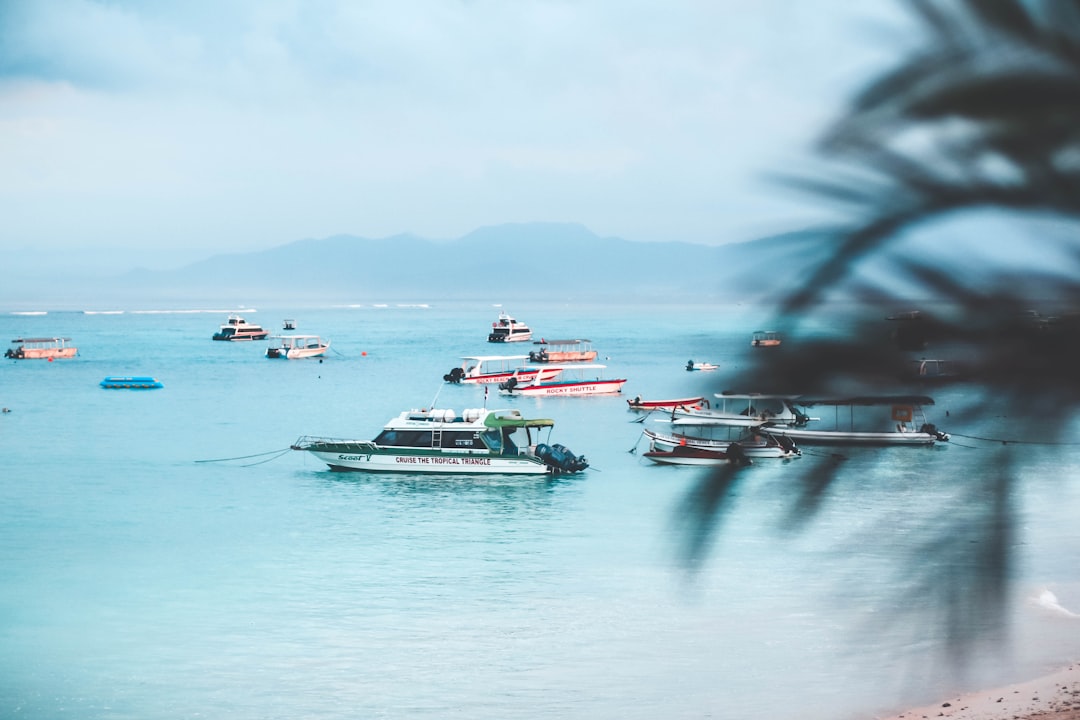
[{"x": 1049, "y": 601}]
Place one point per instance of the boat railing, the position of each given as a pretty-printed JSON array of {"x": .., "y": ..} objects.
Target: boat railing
[{"x": 306, "y": 442}]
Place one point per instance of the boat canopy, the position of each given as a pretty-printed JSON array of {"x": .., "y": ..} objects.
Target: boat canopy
[
  {"x": 514, "y": 419},
  {"x": 41, "y": 340},
  {"x": 561, "y": 342},
  {"x": 868, "y": 400}
]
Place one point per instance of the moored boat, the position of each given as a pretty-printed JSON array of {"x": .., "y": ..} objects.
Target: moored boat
[
  {"x": 765, "y": 338},
  {"x": 488, "y": 369},
  {"x": 559, "y": 351},
  {"x": 237, "y": 328},
  {"x": 702, "y": 457},
  {"x": 690, "y": 403},
  {"x": 439, "y": 441},
  {"x": 575, "y": 379},
  {"x": 295, "y": 347},
  {"x": 865, "y": 420},
  {"x": 51, "y": 348},
  {"x": 752, "y": 444},
  {"x": 507, "y": 329},
  {"x": 131, "y": 383},
  {"x": 691, "y": 366},
  {"x": 745, "y": 410}
]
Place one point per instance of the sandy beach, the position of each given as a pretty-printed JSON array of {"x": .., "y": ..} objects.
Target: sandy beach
[{"x": 1052, "y": 697}]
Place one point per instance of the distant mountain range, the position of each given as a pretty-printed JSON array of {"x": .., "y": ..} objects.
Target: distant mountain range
[{"x": 533, "y": 261}]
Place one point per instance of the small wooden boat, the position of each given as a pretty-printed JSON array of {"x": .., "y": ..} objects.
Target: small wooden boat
[
  {"x": 131, "y": 383},
  {"x": 765, "y": 338},
  {"x": 866, "y": 420},
  {"x": 41, "y": 349},
  {"x": 752, "y": 444},
  {"x": 693, "y": 403},
  {"x": 558, "y": 351},
  {"x": 689, "y": 455}
]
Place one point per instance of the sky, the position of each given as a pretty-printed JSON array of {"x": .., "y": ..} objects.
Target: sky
[{"x": 163, "y": 133}]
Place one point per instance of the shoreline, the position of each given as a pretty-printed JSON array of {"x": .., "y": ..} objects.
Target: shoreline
[{"x": 1051, "y": 697}]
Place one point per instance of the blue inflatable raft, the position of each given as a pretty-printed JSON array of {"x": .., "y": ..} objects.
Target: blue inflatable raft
[{"x": 131, "y": 383}]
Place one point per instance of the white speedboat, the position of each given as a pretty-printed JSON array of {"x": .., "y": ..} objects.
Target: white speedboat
[
  {"x": 294, "y": 347},
  {"x": 52, "y": 348},
  {"x": 574, "y": 379},
  {"x": 706, "y": 366},
  {"x": 488, "y": 369},
  {"x": 868, "y": 420},
  {"x": 479, "y": 441},
  {"x": 507, "y": 329},
  {"x": 237, "y": 328}
]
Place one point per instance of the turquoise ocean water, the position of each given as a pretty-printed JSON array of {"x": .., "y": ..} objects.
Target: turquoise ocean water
[{"x": 140, "y": 582}]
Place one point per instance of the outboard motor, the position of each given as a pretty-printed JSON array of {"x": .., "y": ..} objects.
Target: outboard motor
[
  {"x": 509, "y": 384},
  {"x": 787, "y": 444},
  {"x": 737, "y": 456},
  {"x": 560, "y": 459},
  {"x": 454, "y": 376},
  {"x": 931, "y": 429}
]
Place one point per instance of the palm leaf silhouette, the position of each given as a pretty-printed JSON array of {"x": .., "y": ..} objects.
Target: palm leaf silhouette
[{"x": 984, "y": 116}]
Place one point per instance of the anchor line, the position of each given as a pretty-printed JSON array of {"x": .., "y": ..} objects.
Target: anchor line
[
  {"x": 1006, "y": 441},
  {"x": 247, "y": 457}
]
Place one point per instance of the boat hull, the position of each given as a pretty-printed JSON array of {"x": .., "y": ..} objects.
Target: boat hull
[
  {"x": 688, "y": 456},
  {"x": 757, "y": 450},
  {"x": 592, "y": 387},
  {"x": 517, "y": 337},
  {"x": 558, "y": 357},
  {"x": 384, "y": 460},
  {"x": 240, "y": 338},
  {"x": 45, "y": 353},
  {"x": 694, "y": 403},
  {"x": 838, "y": 437}
]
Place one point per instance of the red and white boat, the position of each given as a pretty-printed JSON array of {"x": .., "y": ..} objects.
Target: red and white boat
[
  {"x": 574, "y": 379},
  {"x": 507, "y": 329},
  {"x": 692, "y": 403},
  {"x": 488, "y": 369},
  {"x": 689, "y": 455}
]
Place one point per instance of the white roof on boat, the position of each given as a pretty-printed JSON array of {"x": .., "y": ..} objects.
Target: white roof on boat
[
  {"x": 568, "y": 366},
  {"x": 753, "y": 396},
  {"x": 486, "y": 358}
]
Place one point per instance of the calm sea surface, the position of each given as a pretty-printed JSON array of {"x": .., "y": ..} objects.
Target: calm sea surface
[{"x": 140, "y": 582}]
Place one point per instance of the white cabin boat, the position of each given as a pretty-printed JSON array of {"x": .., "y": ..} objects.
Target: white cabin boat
[
  {"x": 507, "y": 329},
  {"x": 489, "y": 369},
  {"x": 52, "y": 348},
  {"x": 574, "y": 379},
  {"x": 295, "y": 347},
  {"x": 237, "y": 328},
  {"x": 560, "y": 351},
  {"x": 870, "y": 420},
  {"x": 437, "y": 441}
]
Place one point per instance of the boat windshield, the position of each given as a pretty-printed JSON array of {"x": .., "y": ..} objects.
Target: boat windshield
[{"x": 500, "y": 441}]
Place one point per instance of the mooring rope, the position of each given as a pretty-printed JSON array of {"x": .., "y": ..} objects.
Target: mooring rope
[
  {"x": 1006, "y": 441},
  {"x": 278, "y": 453}
]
